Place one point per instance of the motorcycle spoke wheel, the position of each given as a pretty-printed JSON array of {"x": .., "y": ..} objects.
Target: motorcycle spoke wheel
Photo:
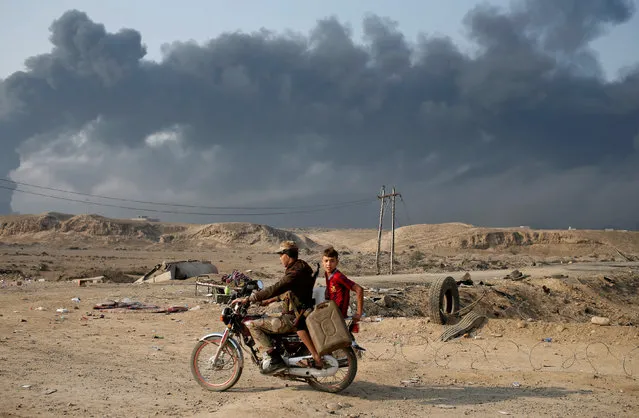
[
  {"x": 224, "y": 373},
  {"x": 344, "y": 376}
]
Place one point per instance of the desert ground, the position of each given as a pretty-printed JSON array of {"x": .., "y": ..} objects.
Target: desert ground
[{"x": 111, "y": 363}]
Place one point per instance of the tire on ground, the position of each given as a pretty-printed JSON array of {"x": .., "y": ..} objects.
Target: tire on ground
[{"x": 444, "y": 299}]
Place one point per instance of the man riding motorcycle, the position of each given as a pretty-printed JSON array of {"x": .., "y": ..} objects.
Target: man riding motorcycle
[{"x": 296, "y": 289}]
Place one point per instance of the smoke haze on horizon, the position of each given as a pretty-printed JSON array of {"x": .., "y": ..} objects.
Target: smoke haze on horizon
[{"x": 524, "y": 130}]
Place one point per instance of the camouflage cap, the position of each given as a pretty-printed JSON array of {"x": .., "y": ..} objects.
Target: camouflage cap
[{"x": 287, "y": 245}]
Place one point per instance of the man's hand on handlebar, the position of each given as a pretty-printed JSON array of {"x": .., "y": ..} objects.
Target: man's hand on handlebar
[{"x": 242, "y": 301}]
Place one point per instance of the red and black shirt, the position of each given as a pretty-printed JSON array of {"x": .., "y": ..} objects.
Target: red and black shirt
[{"x": 338, "y": 288}]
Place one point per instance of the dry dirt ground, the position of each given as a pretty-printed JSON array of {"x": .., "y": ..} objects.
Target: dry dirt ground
[{"x": 86, "y": 362}]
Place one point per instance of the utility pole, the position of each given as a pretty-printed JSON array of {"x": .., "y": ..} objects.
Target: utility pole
[
  {"x": 379, "y": 230},
  {"x": 383, "y": 196},
  {"x": 393, "y": 194}
]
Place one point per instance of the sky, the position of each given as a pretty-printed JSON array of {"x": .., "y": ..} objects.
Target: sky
[{"x": 288, "y": 113}]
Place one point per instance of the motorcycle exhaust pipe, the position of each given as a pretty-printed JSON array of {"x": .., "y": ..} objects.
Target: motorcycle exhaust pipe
[{"x": 310, "y": 371}]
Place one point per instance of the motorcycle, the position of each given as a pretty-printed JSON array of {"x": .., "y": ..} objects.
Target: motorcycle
[{"x": 217, "y": 359}]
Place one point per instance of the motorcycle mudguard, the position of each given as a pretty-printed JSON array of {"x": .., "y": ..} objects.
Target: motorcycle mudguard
[
  {"x": 309, "y": 371},
  {"x": 231, "y": 341}
]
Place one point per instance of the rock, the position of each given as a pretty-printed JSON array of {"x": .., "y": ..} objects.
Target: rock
[
  {"x": 333, "y": 406},
  {"x": 600, "y": 320},
  {"x": 522, "y": 324},
  {"x": 389, "y": 301}
]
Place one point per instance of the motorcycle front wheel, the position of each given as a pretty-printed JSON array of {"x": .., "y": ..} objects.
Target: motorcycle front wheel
[
  {"x": 224, "y": 373},
  {"x": 345, "y": 374}
]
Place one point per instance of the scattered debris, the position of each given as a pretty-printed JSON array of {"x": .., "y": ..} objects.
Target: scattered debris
[
  {"x": 178, "y": 270},
  {"x": 413, "y": 381},
  {"x": 127, "y": 304},
  {"x": 84, "y": 281},
  {"x": 465, "y": 280},
  {"x": 236, "y": 278},
  {"x": 516, "y": 275},
  {"x": 444, "y": 406}
]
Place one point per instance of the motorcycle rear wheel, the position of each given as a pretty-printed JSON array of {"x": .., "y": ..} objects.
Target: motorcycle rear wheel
[
  {"x": 344, "y": 376},
  {"x": 204, "y": 371}
]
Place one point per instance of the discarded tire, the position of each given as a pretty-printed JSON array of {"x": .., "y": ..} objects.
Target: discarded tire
[
  {"x": 468, "y": 322},
  {"x": 443, "y": 300}
]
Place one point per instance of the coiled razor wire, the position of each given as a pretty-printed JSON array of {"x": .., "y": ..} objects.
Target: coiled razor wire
[
  {"x": 486, "y": 353},
  {"x": 626, "y": 357}
]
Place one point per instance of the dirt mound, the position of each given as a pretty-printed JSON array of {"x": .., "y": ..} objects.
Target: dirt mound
[
  {"x": 242, "y": 234},
  {"x": 428, "y": 238},
  {"x": 27, "y": 224},
  {"x": 560, "y": 300},
  {"x": 101, "y": 226},
  {"x": 40, "y": 226},
  {"x": 423, "y": 237},
  {"x": 344, "y": 240}
]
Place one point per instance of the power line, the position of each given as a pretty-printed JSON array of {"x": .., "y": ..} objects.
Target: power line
[
  {"x": 316, "y": 209},
  {"x": 245, "y": 208},
  {"x": 406, "y": 209}
]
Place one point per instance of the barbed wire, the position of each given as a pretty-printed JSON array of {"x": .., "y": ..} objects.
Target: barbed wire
[{"x": 489, "y": 355}]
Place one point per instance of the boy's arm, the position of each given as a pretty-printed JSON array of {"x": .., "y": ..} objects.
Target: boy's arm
[{"x": 360, "y": 301}]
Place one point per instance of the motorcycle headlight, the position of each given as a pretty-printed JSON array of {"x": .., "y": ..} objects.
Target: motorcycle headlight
[{"x": 226, "y": 315}]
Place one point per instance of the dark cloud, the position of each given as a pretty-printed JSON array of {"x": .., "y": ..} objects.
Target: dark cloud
[{"x": 284, "y": 106}]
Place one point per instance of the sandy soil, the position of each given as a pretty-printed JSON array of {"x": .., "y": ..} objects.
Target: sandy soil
[
  {"x": 137, "y": 363},
  {"x": 90, "y": 363}
]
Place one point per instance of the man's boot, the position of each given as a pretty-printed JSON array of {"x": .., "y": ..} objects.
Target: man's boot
[{"x": 272, "y": 362}]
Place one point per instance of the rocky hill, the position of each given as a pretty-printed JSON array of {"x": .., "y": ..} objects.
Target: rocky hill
[
  {"x": 237, "y": 234},
  {"x": 55, "y": 227},
  {"x": 517, "y": 240},
  {"x": 51, "y": 224},
  {"x": 449, "y": 237}
]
